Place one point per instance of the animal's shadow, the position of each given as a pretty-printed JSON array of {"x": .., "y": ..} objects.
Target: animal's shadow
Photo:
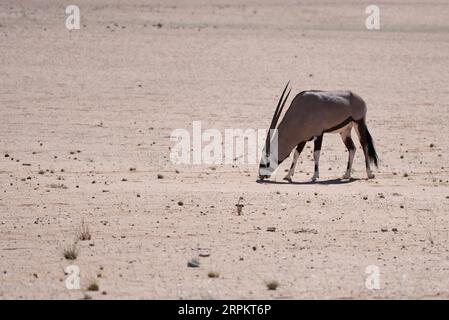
[{"x": 309, "y": 182}]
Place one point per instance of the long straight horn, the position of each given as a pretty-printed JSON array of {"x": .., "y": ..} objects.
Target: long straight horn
[
  {"x": 282, "y": 106},
  {"x": 275, "y": 118}
]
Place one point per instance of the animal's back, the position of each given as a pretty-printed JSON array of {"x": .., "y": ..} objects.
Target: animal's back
[
  {"x": 317, "y": 103},
  {"x": 313, "y": 112}
]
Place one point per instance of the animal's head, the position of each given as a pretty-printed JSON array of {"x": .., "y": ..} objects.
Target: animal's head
[{"x": 269, "y": 160}]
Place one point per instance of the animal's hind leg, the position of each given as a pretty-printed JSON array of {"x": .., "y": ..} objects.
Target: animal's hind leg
[
  {"x": 361, "y": 131},
  {"x": 347, "y": 140},
  {"x": 316, "y": 156},
  {"x": 298, "y": 150}
]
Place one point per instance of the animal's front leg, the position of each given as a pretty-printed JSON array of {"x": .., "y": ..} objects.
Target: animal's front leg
[
  {"x": 298, "y": 150},
  {"x": 316, "y": 156}
]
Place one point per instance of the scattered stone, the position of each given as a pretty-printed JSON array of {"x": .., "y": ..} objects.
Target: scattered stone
[
  {"x": 384, "y": 229},
  {"x": 271, "y": 229},
  {"x": 193, "y": 263},
  {"x": 160, "y": 176},
  {"x": 394, "y": 230},
  {"x": 306, "y": 230},
  {"x": 57, "y": 186},
  {"x": 213, "y": 274},
  {"x": 204, "y": 253},
  {"x": 180, "y": 203}
]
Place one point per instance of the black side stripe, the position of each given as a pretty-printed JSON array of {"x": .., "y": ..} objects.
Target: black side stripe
[{"x": 339, "y": 126}]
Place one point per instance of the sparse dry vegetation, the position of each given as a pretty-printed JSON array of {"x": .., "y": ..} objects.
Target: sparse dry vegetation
[
  {"x": 71, "y": 252},
  {"x": 83, "y": 232},
  {"x": 272, "y": 285},
  {"x": 93, "y": 285}
]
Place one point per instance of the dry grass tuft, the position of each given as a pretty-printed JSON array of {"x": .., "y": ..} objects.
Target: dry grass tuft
[
  {"x": 83, "y": 232},
  {"x": 93, "y": 286},
  {"x": 71, "y": 252},
  {"x": 272, "y": 285}
]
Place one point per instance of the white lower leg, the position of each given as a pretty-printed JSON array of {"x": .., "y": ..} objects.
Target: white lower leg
[
  {"x": 369, "y": 173},
  {"x": 316, "y": 157},
  {"x": 292, "y": 167},
  {"x": 349, "y": 168}
]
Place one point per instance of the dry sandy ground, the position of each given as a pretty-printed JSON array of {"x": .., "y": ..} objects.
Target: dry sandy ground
[{"x": 87, "y": 105}]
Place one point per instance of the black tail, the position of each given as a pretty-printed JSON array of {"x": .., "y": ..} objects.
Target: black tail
[{"x": 371, "y": 151}]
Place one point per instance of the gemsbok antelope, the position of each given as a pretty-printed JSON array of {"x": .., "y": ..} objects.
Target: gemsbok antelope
[{"x": 311, "y": 114}]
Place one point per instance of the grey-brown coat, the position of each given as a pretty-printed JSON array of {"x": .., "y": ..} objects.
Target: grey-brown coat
[{"x": 311, "y": 114}]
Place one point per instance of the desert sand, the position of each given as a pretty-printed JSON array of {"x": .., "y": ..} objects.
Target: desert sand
[{"x": 86, "y": 118}]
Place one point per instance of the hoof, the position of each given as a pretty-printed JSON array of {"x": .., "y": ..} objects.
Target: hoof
[
  {"x": 371, "y": 176},
  {"x": 288, "y": 179},
  {"x": 346, "y": 177}
]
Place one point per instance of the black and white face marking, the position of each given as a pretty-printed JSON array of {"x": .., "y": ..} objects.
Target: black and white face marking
[{"x": 264, "y": 167}]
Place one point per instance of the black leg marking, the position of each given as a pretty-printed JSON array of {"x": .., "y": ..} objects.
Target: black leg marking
[
  {"x": 363, "y": 133},
  {"x": 318, "y": 143},
  {"x": 316, "y": 155},
  {"x": 300, "y": 147},
  {"x": 349, "y": 143}
]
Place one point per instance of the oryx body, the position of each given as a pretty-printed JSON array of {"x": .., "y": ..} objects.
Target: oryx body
[{"x": 311, "y": 114}]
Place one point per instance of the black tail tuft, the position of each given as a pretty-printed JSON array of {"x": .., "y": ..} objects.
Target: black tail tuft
[{"x": 371, "y": 151}]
